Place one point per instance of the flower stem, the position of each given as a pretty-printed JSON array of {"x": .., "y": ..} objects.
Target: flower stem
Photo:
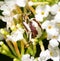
[
  {"x": 41, "y": 45},
  {"x": 25, "y": 43},
  {"x": 40, "y": 3},
  {"x": 11, "y": 47},
  {"x": 22, "y": 48},
  {"x": 18, "y": 9},
  {"x": 32, "y": 9},
  {"x": 6, "y": 51},
  {"x": 16, "y": 49}
]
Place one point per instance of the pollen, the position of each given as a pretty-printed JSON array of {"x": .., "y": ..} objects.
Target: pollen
[
  {"x": 51, "y": 53},
  {"x": 49, "y": 27},
  {"x": 42, "y": 12},
  {"x": 54, "y": 36}
]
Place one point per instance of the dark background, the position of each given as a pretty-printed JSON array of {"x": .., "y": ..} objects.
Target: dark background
[{"x": 5, "y": 58}]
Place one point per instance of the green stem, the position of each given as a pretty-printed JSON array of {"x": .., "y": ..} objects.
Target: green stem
[
  {"x": 22, "y": 48},
  {"x": 41, "y": 45},
  {"x": 6, "y": 52},
  {"x": 34, "y": 49},
  {"x": 32, "y": 9},
  {"x": 11, "y": 47},
  {"x": 16, "y": 49}
]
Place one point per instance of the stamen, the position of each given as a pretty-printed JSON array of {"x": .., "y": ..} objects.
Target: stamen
[
  {"x": 54, "y": 36},
  {"x": 42, "y": 12},
  {"x": 49, "y": 27},
  {"x": 51, "y": 53}
]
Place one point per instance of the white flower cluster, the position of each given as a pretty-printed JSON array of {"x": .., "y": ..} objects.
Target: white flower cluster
[{"x": 46, "y": 18}]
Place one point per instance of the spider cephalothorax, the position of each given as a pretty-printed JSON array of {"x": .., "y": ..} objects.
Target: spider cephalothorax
[{"x": 34, "y": 27}]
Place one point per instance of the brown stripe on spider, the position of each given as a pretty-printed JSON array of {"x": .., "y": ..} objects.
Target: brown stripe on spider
[
  {"x": 24, "y": 24},
  {"x": 37, "y": 23}
]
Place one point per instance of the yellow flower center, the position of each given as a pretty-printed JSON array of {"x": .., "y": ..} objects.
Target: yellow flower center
[
  {"x": 51, "y": 53},
  {"x": 54, "y": 36},
  {"x": 49, "y": 27},
  {"x": 42, "y": 12}
]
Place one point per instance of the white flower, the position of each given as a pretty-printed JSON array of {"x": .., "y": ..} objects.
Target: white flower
[
  {"x": 52, "y": 33},
  {"x": 44, "y": 55},
  {"x": 39, "y": 59},
  {"x": 51, "y": 29},
  {"x": 43, "y": 9},
  {"x": 45, "y": 24},
  {"x": 53, "y": 43},
  {"x": 5, "y": 9},
  {"x": 17, "y": 35},
  {"x": 9, "y": 2},
  {"x": 41, "y": 12},
  {"x": 54, "y": 53},
  {"x": 32, "y": 59},
  {"x": 55, "y": 58},
  {"x": 30, "y": 3},
  {"x": 54, "y": 9},
  {"x": 8, "y": 20},
  {"x": 21, "y": 3},
  {"x": 26, "y": 57},
  {"x": 57, "y": 18},
  {"x": 1, "y": 42},
  {"x": 39, "y": 17}
]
